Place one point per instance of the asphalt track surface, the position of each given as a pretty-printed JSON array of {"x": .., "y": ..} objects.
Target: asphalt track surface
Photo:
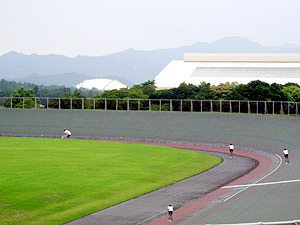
[{"x": 263, "y": 136}]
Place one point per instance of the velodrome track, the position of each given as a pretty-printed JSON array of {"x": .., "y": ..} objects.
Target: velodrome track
[{"x": 265, "y": 135}]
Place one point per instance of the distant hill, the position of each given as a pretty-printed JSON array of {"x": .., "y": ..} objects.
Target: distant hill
[{"x": 129, "y": 66}]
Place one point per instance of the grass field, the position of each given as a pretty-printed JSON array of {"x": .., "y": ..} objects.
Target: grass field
[{"x": 52, "y": 181}]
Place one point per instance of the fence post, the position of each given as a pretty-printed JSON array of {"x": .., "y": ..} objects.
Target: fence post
[
  {"x": 11, "y": 103},
  {"x": 35, "y": 106},
  {"x": 239, "y": 106},
  {"x": 201, "y": 105},
  {"x": 171, "y": 105},
  {"x": 273, "y": 109},
  {"x": 249, "y": 110},
  {"x": 266, "y": 108},
  {"x": 180, "y": 105},
  {"x": 220, "y": 105},
  {"x": 138, "y": 105},
  {"x": 82, "y": 103},
  {"x": 256, "y": 107},
  {"x": 296, "y": 109},
  {"x": 159, "y": 104},
  {"x": 281, "y": 108},
  {"x": 23, "y": 102},
  {"x": 116, "y": 104},
  {"x": 211, "y": 106},
  {"x": 191, "y": 106},
  {"x": 105, "y": 104},
  {"x": 47, "y": 102},
  {"x": 230, "y": 107},
  {"x": 59, "y": 103},
  {"x": 149, "y": 104},
  {"x": 288, "y": 108},
  {"x": 94, "y": 104},
  {"x": 128, "y": 105}
]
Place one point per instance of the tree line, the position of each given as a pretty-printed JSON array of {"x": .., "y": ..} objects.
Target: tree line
[
  {"x": 254, "y": 90},
  {"x": 8, "y": 88}
]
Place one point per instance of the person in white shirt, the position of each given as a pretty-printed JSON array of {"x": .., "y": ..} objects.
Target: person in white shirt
[
  {"x": 286, "y": 155},
  {"x": 231, "y": 148},
  {"x": 170, "y": 212},
  {"x": 67, "y": 133}
]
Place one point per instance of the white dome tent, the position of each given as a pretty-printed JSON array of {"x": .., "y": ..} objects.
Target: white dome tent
[{"x": 101, "y": 84}]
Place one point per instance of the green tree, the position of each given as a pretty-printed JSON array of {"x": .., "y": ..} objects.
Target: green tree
[
  {"x": 222, "y": 91},
  {"x": 17, "y": 102},
  {"x": 292, "y": 92},
  {"x": 277, "y": 93},
  {"x": 65, "y": 102},
  {"x": 147, "y": 87},
  {"x": 124, "y": 93},
  {"x": 205, "y": 92},
  {"x": 255, "y": 90},
  {"x": 237, "y": 93},
  {"x": 185, "y": 91}
]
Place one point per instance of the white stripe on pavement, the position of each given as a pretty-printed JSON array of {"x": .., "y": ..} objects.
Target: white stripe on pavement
[
  {"x": 261, "y": 184},
  {"x": 230, "y": 197}
]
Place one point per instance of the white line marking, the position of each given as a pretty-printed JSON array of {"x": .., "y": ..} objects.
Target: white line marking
[
  {"x": 230, "y": 197},
  {"x": 261, "y": 184}
]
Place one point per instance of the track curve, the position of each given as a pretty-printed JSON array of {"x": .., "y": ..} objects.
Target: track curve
[{"x": 252, "y": 133}]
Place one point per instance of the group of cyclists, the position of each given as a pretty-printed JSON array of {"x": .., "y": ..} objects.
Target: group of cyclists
[
  {"x": 231, "y": 149},
  {"x": 67, "y": 134}
]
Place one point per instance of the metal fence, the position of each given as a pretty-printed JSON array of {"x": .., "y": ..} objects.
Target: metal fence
[
  {"x": 293, "y": 222},
  {"x": 176, "y": 105}
]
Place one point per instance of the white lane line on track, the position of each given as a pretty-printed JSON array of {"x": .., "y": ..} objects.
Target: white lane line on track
[
  {"x": 261, "y": 184},
  {"x": 230, "y": 197}
]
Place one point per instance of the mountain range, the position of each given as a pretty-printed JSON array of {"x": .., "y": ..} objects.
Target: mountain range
[{"x": 130, "y": 66}]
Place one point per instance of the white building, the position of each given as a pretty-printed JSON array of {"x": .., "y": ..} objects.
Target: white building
[
  {"x": 221, "y": 68},
  {"x": 101, "y": 84}
]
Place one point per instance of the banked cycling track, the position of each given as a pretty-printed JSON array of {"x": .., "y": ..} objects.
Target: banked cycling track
[{"x": 258, "y": 137}]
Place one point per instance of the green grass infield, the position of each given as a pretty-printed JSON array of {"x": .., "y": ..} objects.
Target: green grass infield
[{"x": 52, "y": 181}]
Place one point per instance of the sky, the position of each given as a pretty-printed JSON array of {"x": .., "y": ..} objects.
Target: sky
[{"x": 101, "y": 27}]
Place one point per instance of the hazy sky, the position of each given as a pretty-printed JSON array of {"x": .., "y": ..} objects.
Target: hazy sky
[{"x": 100, "y": 27}]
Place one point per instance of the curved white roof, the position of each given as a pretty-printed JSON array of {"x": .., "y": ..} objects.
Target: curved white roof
[
  {"x": 222, "y": 68},
  {"x": 101, "y": 84},
  {"x": 242, "y": 57}
]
